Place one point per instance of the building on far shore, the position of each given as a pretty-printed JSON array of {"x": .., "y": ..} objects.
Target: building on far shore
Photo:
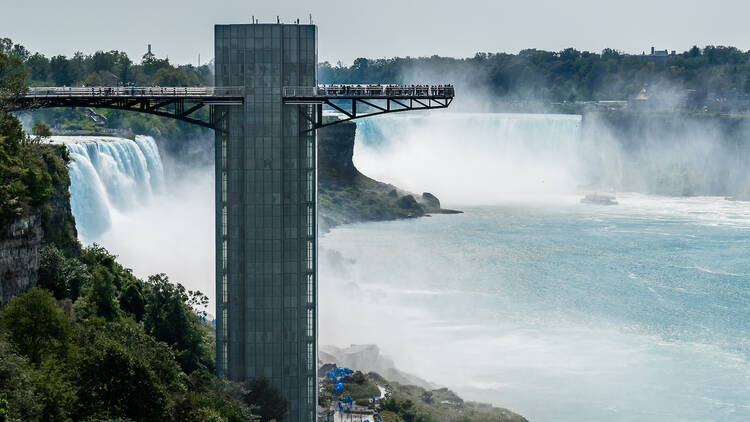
[{"x": 658, "y": 54}]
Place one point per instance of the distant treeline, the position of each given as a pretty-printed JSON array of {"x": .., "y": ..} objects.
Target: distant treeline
[
  {"x": 109, "y": 68},
  {"x": 104, "y": 68},
  {"x": 567, "y": 75}
]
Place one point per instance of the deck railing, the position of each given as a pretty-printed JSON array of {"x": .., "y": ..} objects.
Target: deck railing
[
  {"x": 369, "y": 90},
  {"x": 135, "y": 91}
]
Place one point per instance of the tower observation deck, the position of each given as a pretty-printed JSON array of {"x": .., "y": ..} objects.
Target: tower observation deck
[{"x": 265, "y": 109}]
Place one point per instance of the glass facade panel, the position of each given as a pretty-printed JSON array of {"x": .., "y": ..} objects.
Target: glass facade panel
[{"x": 310, "y": 289}]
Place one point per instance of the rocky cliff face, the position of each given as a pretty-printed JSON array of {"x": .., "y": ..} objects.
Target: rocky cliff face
[
  {"x": 335, "y": 151},
  {"x": 22, "y": 239},
  {"x": 346, "y": 196},
  {"x": 19, "y": 247}
]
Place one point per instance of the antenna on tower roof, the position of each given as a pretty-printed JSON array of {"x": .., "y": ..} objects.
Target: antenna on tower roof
[
  {"x": 277, "y": 19},
  {"x": 253, "y": 20},
  {"x": 310, "y": 18}
]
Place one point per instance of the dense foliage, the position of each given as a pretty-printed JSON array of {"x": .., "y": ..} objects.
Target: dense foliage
[
  {"x": 94, "y": 343},
  {"x": 28, "y": 169},
  {"x": 567, "y": 75},
  {"x": 90, "y": 343},
  {"x": 404, "y": 411}
]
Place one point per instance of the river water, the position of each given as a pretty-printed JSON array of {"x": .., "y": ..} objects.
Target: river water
[
  {"x": 530, "y": 300},
  {"x": 558, "y": 310}
]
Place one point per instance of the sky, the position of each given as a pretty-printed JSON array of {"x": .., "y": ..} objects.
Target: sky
[{"x": 183, "y": 29}]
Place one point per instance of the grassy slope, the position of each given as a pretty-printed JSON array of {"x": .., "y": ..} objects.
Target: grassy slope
[
  {"x": 445, "y": 406},
  {"x": 343, "y": 201}
]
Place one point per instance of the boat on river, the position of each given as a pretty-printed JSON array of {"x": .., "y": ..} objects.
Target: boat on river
[{"x": 598, "y": 199}]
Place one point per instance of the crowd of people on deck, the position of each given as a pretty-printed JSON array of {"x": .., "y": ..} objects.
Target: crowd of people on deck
[{"x": 388, "y": 90}]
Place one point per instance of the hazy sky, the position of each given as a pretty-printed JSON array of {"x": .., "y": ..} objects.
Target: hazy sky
[{"x": 380, "y": 28}]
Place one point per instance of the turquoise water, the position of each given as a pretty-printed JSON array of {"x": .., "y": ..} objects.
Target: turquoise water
[{"x": 557, "y": 310}]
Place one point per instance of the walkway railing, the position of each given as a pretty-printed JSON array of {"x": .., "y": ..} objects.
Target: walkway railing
[
  {"x": 369, "y": 91},
  {"x": 135, "y": 91}
]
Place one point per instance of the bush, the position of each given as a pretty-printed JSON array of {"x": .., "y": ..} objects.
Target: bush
[
  {"x": 64, "y": 277},
  {"x": 37, "y": 326},
  {"x": 170, "y": 319},
  {"x": 406, "y": 410}
]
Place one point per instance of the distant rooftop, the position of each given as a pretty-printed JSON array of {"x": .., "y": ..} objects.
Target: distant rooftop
[{"x": 659, "y": 53}]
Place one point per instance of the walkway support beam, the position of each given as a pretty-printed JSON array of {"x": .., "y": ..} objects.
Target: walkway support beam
[
  {"x": 179, "y": 103},
  {"x": 374, "y": 99}
]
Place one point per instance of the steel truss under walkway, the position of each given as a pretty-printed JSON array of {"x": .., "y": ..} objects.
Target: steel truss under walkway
[
  {"x": 178, "y": 103},
  {"x": 377, "y": 99}
]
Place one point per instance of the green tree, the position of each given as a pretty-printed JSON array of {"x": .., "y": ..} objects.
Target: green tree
[
  {"x": 55, "y": 390},
  {"x": 37, "y": 326},
  {"x": 38, "y": 67},
  {"x": 51, "y": 273},
  {"x": 102, "y": 294},
  {"x": 17, "y": 390},
  {"x": 209, "y": 397},
  {"x": 41, "y": 130},
  {"x": 269, "y": 401},
  {"x": 64, "y": 277},
  {"x": 169, "y": 76},
  {"x": 123, "y": 372},
  {"x": 60, "y": 70},
  {"x": 96, "y": 255},
  {"x": 169, "y": 319},
  {"x": 93, "y": 79},
  {"x": 132, "y": 300},
  {"x": 12, "y": 80},
  {"x": 76, "y": 277}
]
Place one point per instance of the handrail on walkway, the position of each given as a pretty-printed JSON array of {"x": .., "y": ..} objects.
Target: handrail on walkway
[
  {"x": 369, "y": 90},
  {"x": 135, "y": 91}
]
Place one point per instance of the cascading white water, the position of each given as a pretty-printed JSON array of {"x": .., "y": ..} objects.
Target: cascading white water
[
  {"x": 521, "y": 156},
  {"x": 110, "y": 175},
  {"x": 501, "y": 155}
]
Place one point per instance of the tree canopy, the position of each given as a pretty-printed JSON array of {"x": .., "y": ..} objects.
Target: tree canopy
[{"x": 566, "y": 75}]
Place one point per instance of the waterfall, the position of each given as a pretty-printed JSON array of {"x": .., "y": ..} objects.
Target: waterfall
[
  {"x": 110, "y": 175},
  {"x": 489, "y": 158},
  {"x": 472, "y": 158}
]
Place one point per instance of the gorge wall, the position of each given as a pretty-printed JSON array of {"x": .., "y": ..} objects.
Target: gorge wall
[{"x": 21, "y": 240}]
